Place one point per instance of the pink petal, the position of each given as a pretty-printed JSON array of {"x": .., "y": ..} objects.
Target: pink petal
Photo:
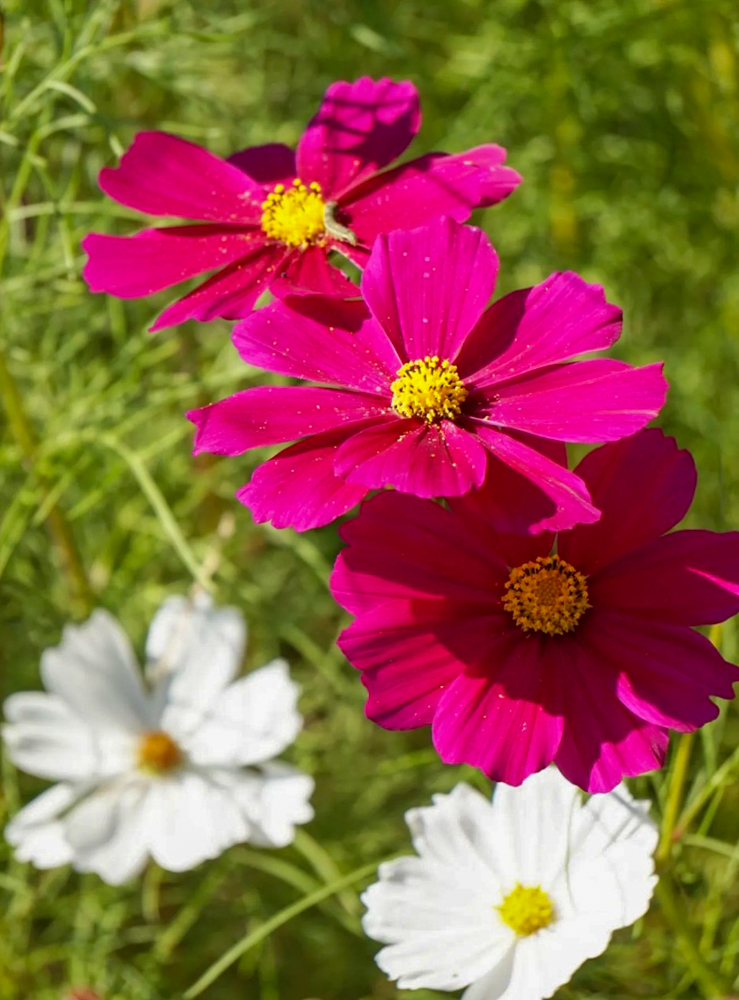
[
  {"x": 273, "y": 414},
  {"x": 131, "y": 266},
  {"x": 434, "y": 185},
  {"x": 506, "y": 721},
  {"x": 535, "y": 327},
  {"x": 643, "y": 485},
  {"x": 359, "y": 128},
  {"x": 428, "y": 287},
  {"x": 512, "y": 504},
  {"x": 602, "y": 741},
  {"x": 567, "y": 490},
  {"x": 430, "y": 460},
  {"x": 664, "y": 674},
  {"x": 298, "y": 489},
  {"x": 268, "y": 165},
  {"x": 401, "y": 547},
  {"x": 686, "y": 578},
  {"x": 319, "y": 340},
  {"x": 309, "y": 272},
  {"x": 162, "y": 174},
  {"x": 409, "y": 652},
  {"x": 584, "y": 401},
  {"x": 230, "y": 293}
]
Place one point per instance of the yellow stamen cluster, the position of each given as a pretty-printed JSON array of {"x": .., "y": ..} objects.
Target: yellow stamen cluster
[
  {"x": 158, "y": 752},
  {"x": 546, "y": 595},
  {"x": 429, "y": 389},
  {"x": 526, "y": 909},
  {"x": 294, "y": 215}
]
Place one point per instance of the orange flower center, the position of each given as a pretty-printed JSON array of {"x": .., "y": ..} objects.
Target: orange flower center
[
  {"x": 546, "y": 595},
  {"x": 158, "y": 752}
]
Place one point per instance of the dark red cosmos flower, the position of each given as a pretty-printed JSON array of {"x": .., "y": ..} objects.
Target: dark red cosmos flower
[
  {"x": 270, "y": 217},
  {"x": 518, "y": 657}
]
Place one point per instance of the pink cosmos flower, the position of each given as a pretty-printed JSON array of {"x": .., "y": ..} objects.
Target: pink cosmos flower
[
  {"x": 270, "y": 217},
  {"x": 430, "y": 391},
  {"x": 517, "y": 657}
]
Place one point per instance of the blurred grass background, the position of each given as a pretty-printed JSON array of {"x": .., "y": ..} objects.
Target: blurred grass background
[{"x": 624, "y": 120}]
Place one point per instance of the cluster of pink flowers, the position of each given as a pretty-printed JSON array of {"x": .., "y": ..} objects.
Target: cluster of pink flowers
[{"x": 528, "y": 612}]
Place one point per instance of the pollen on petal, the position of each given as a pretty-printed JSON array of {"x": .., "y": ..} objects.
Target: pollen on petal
[
  {"x": 294, "y": 215},
  {"x": 430, "y": 389},
  {"x": 546, "y": 595}
]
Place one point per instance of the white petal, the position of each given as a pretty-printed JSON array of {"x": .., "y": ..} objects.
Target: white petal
[
  {"x": 94, "y": 671},
  {"x": 194, "y": 651},
  {"x": 108, "y": 831},
  {"x": 253, "y": 720},
  {"x": 532, "y": 827},
  {"x": 459, "y": 830},
  {"x": 614, "y": 818},
  {"x": 548, "y": 959},
  {"x": 610, "y": 878},
  {"x": 36, "y": 832},
  {"x": 495, "y": 983},
  {"x": 437, "y": 911},
  {"x": 274, "y": 800},
  {"x": 442, "y": 960},
  {"x": 192, "y": 820},
  {"x": 46, "y": 738}
]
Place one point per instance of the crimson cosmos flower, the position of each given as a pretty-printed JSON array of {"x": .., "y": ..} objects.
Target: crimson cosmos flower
[
  {"x": 517, "y": 657},
  {"x": 270, "y": 217},
  {"x": 431, "y": 392}
]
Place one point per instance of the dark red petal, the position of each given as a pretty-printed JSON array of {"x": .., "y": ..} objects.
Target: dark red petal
[{"x": 643, "y": 485}]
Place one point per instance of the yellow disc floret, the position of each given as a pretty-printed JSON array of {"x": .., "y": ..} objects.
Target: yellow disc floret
[
  {"x": 526, "y": 909},
  {"x": 294, "y": 215},
  {"x": 158, "y": 752},
  {"x": 429, "y": 389},
  {"x": 546, "y": 595}
]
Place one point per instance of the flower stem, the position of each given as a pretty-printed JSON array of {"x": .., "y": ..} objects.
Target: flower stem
[
  {"x": 674, "y": 796},
  {"x": 710, "y": 982},
  {"x": 264, "y": 930},
  {"x": 56, "y": 522},
  {"x": 671, "y": 829}
]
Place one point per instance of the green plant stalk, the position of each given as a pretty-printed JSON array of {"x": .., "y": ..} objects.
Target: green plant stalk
[
  {"x": 57, "y": 524},
  {"x": 678, "y": 822},
  {"x": 264, "y": 930},
  {"x": 711, "y": 984},
  {"x": 671, "y": 830},
  {"x": 678, "y": 778}
]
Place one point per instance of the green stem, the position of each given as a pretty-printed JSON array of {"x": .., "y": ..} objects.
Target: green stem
[
  {"x": 56, "y": 522},
  {"x": 678, "y": 778},
  {"x": 718, "y": 778},
  {"x": 264, "y": 930},
  {"x": 710, "y": 982}
]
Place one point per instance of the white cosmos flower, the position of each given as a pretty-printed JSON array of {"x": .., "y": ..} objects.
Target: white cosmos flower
[
  {"x": 178, "y": 773},
  {"x": 509, "y": 898}
]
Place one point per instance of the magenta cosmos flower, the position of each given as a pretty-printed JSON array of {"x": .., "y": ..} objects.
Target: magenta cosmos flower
[
  {"x": 517, "y": 657},
  {"x": 431, "y": 391},
  {"x": 270, "y": 216}
]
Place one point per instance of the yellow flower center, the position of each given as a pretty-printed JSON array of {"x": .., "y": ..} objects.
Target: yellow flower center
[
  {"x": 546, "y": 595},
  {"x": 294, "y": 215},
  {"x": 158, "y": 752},
  {"x": 429, "y": 389},
  {"x": 526, "y": 909}
]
